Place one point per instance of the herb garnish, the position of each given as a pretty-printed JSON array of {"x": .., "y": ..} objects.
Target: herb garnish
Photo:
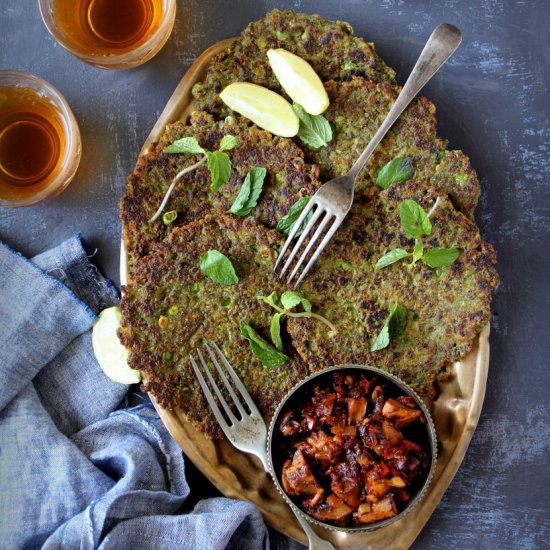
[
  {"x": 289, "y": 300},
  {"x": 220, "y": 169},
  {"x": 397, "y": 170},
  {"x": 219, "y": 268},
  {"x": 218, "y": 163},
  {"x": 314, "y": 130},
  {"x": 414, "y": 220},
  {"x": 286, "y": 223},
  {"x": 391, "y": 257},
  {"x": 394, "y": 325},
  {"x": 268, "y": 356},
  {"x": 250, "y": 190},
  {"x": 415, "y": 223},
  {"x": 440, "y": 257}
]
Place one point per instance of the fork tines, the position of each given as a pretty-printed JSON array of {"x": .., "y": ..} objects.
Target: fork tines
[
  {"x": 230, "y": 409},
  {"x": 320, "y": 217}
]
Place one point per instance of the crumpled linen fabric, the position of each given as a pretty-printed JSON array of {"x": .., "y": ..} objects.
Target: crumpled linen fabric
[{"x": 78, "y": 467}]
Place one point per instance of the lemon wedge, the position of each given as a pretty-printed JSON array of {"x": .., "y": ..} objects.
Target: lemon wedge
[
  {"x": 299, "y": 80},
  {"x": 111, "y": 355},
  {"x": 265, "y": 108}
]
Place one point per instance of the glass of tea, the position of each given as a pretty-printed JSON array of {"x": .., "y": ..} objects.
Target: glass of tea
[
  {"x": 111, "y": 34},
  {"x": 39, "y": 140}
]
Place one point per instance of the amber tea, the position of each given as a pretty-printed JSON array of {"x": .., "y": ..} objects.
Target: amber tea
[
  {"x": 104, "y": 27},
  {"x": 32, "y": 142}
]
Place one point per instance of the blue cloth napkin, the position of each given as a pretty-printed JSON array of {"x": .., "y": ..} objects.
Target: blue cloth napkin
[{"x": 78, "y": 469}]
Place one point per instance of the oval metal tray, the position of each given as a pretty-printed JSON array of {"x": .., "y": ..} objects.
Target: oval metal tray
[{"x": 238, "y": 475}]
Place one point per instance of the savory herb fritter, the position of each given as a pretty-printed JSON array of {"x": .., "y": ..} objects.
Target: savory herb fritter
[
  {"x": 171, "y": 309},
  {"x": 357, "y": 109},
  {"x": 445, "y": 313},
  {"x": 288, "y": 178},
  {"x": 330, "y": 47}
]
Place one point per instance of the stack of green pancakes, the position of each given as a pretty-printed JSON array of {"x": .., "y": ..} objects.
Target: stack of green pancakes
[{"x": 170, "y": 307}]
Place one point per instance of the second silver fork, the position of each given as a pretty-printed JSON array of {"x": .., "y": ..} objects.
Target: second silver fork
[
  {"x": 246, "y": 430},
  {"x": 333, "y": 200}
]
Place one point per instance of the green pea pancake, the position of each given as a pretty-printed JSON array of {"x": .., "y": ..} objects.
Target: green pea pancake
[
  {"x": 171, "y": 309},
  {"x": 329, "y": 46},
  {"x": 445, "y": 312},
  {"x": 288, "y": 178},
  {"x": 358, "y": 108}
]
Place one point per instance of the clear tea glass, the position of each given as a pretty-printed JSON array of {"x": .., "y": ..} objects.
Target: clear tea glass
[
  {"x": 39, "y": 140},
  {"x": 111, "y": 34}
]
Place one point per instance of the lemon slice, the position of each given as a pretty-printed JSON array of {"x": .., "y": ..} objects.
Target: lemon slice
[
  {"x": 111, "y": 355},
  {"x": 299, "y": 80},
  {"x": 265, "y": 108}
]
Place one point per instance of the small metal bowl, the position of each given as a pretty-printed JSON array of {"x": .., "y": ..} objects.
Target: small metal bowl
[{"x": 296, "y": 396}]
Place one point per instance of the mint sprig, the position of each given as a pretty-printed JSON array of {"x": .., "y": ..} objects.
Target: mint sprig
[
  {"x": 416, "y": 223},
  {"x": 218, "y": 162},
  {"x": 284, "y": 306}
]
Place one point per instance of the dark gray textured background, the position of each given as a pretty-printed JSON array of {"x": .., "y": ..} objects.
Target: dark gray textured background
[{"x": 493, "y": 103}]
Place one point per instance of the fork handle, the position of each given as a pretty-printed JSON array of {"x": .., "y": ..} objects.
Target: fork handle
[
  {"x": 443, "y": 41},
  {"x": 314, "y": 540}
]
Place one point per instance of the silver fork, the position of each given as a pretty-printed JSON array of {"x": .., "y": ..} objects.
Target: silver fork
[
  {"x": 333, "y": 200},
  {"x": 247, "y": 433}
]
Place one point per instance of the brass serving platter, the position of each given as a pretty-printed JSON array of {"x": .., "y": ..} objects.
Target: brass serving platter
[{"x": 238, "y": 475}]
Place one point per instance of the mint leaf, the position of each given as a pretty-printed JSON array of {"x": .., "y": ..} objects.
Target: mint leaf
[
  {"x": 418, "y": 251},
  {"x": 414, "y": 220},
  {"x": 268, "y": 355},
  {"x": 275, "y": 330},
  {"x": 382, "y": 340},
  {"x": 390, "y": 258},
  {"x": 249, "y": 193},
  {"x": 398, "y": 170},
  {"x": 440, "y": 257},
  {"x": 220, "y": 169},
  {"x": 185, "y": 145},
  {"x": 397, "y": 320},
  {"x": 314, "y": 130},
  {"x": 218, "y": 267},
  {"x": 228, "y": 142},
  {"x": 291, "y": 299},
  {"x": 395, "y": 324},
  {"x": 287, "y": 222}
]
